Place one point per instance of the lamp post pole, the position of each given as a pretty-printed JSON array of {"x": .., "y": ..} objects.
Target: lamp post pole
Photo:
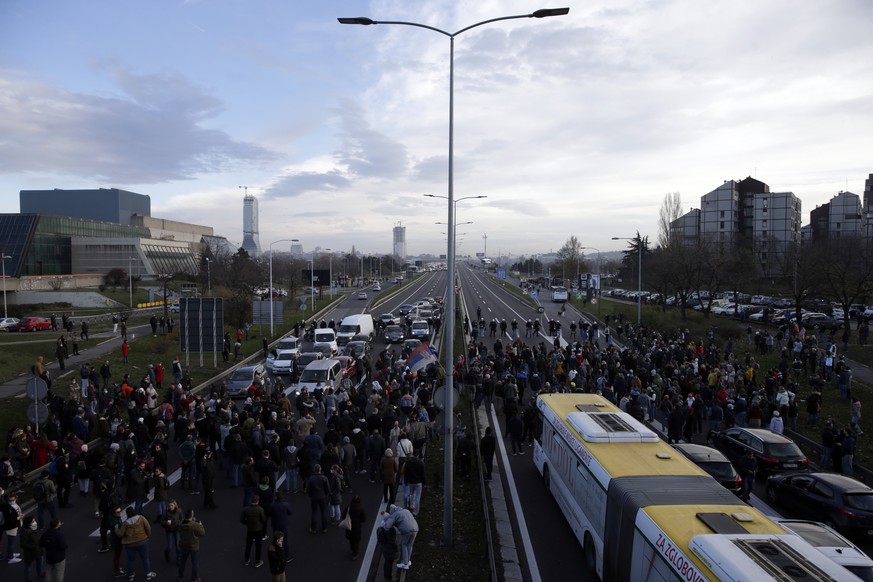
[
  {"x": 450, "y": 254},
  {"x": 3, "y": 258},
  {"x": 312, "y": 281},
  {"x": 330, "y": 267},
  {"x": 209, "y": 277},
  {"x": 639, "y": 274},
  {"x": 130, "y": 281},
  {"x": 271, "y": 277}
]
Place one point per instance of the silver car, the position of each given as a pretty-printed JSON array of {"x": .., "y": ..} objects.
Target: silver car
[{"x": 243, "y": 378}]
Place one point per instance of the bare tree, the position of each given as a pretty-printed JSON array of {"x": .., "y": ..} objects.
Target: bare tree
[
  {"x": 671, "y": 209},
  {"x": 845, "y": 271}
]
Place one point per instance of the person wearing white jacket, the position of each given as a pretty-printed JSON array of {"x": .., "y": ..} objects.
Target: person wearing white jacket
[{"x": 776, "y": 423}]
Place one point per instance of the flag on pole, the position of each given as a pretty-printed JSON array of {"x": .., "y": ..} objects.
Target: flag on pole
[{"x": 421, "y": 357}]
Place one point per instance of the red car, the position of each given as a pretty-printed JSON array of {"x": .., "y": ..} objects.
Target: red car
[{"x": 34, "y": 323}]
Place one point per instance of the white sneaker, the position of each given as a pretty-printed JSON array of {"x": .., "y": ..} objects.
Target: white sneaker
[{"x": 14, "y": 560}]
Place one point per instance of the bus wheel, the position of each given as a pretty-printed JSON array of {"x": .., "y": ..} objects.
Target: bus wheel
[
  {"x": 590, "y": 554},
  {"x": 547, "y": 478}
]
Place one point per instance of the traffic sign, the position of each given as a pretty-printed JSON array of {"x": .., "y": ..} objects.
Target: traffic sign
[
  {"x": 594, "y": 301},
  {"x": 36, "y": 388},
  {"x": 37, "y": 413}
]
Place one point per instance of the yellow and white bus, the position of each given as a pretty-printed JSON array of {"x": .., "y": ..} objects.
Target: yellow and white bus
[{"x": 643, "y": 512}]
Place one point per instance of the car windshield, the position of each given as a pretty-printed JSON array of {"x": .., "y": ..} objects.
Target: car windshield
[
  {"x": 816, "y": 535},
  {"x": 862, "y": 501},
  {"x": 784, "y": 450},
  {"x": 287, "y": 356},
  {"x": 720, "y": 471},
  {"x": 865, "y": 573},
  {"x": 241, "y": 376},
  {"x": 393, "y": 328},
  {"x": 314, "y": 375},
  {"x": 287, "y": 345},
  {"x": 419, "y": 325},
  {"x": 349, "y": 328},
  {"x": 324, "y": 336}
]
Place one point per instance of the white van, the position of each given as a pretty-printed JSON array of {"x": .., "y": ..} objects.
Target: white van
[
  {"x": 321, "y": 374},
  {"x": 324, "y": 337},
  {"x": 361, "y": 323}
]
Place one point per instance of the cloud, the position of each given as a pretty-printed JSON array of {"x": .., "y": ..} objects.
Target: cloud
[{"x": 153, "y": 132}]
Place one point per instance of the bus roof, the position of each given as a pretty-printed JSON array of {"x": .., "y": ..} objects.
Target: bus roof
[{"x": 645, "y": 458}]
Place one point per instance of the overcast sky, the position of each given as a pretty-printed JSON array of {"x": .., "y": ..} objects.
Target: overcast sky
[{"x": 574, "y": 125}]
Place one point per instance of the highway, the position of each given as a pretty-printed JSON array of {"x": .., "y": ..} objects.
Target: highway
[{"x": 547, "y": 547}]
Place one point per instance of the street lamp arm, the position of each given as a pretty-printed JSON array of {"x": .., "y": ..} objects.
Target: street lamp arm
[{"x": 542, "y": 13}]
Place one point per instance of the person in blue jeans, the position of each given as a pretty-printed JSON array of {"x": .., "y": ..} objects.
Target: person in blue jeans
[
  {"x": 135, "y": 532},
  {"x": 190, "y": 532}
]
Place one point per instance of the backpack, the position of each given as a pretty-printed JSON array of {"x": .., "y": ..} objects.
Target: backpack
[{"x": 39, "y": 491}]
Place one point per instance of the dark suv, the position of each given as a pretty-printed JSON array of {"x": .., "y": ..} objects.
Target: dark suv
[{"x": 775, "y": 453}]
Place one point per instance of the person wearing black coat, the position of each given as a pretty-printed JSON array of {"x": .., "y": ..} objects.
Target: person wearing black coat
[
  {"x": 276, "y": 557},
  {"x": 54, "y": 542},
  {"x": 356, "y": 511},
  {"x": 487, "y": 447},
  {"x": 279, "y": 511}
]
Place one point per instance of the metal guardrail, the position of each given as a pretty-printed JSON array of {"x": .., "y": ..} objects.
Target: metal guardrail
[{"x": 861, "y": 473}]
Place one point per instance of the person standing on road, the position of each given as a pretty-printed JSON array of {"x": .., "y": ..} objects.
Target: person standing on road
[
  {"x": 31, "y": 551},
  {"x": 413, "y": 481},
  {"x": 12, "y": 517},
  {"x": 45, "y": 493},
  {"x": 55, "y": 545},
  {"x": 276, "y": 557},
  {"x": 389, "y": 470},
  {"x": 487, "y": 447},
  {"x": 318, "y": 489},
  {"x": 190, "y": 532},
  {"x": 355, "y": 511},
  {"x": 279, "y": 511},
  {"x": 135, "y": 532},
  {"x": 748, "y": 471},
  {"x": 255, "y": 520},
  {"x": 171, "y": 520}
]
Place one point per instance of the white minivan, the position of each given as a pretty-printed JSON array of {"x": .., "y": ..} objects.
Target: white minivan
[
  {"x": 320, "y": 374},
  {"x": 352, "y": 325},
  {"x": 323, "y": 338}
]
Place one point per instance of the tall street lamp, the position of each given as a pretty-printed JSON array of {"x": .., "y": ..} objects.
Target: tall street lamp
[
  {"x": 271, "y": 276},
  {"x": 3, "y": 258},
  {"x": 450, "y": 254},
  {"x": 330, "y": 263},
  {"x": 312, "y": 281},
  {"x": 209, "y": 277},
  {"x": 130, "y": 280},
  {"x": 639, "y": 274}
]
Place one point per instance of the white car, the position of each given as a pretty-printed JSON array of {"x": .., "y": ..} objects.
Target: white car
[
  {"x": 377, "y": 287},
  {"x": 9, "y": 324},
  {"x": 289, "y": 344},
  {"x": 362, "y": 295},
  {"x": 832, "y": 545},
  {"x": 281, "y": 363}
]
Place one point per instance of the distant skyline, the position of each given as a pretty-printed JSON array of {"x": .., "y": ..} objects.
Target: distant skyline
[{"x": 574, "y": 125}]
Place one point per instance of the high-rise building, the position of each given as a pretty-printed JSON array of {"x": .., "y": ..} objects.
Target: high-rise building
[
  {"x": 250, "y": 243},
  {"x": 744, "y": 214},
  {"x": 399, "y": 248}
]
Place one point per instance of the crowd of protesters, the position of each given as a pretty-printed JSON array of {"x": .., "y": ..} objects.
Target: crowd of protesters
[
  {"x": 266, "y": 445},
  {"x": 271, "y": 448}
]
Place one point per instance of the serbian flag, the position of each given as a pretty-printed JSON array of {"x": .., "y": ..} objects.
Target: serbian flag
[{"x": 421, "y": 357}]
